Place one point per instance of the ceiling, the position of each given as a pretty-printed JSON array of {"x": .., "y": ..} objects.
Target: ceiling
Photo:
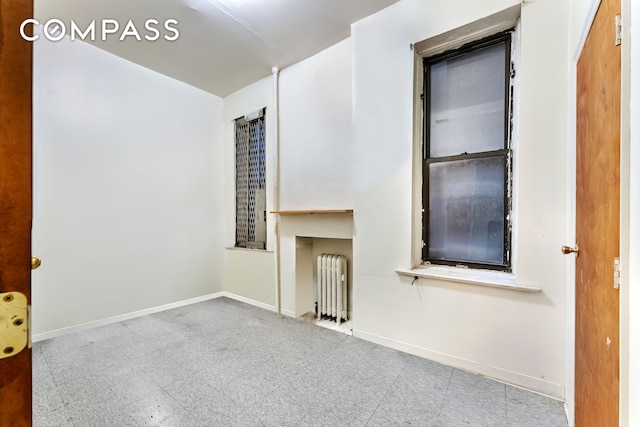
[{"x": 223, "y": 45}]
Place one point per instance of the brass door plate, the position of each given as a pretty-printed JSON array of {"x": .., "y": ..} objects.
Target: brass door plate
[{"x": 14, "y": 331}]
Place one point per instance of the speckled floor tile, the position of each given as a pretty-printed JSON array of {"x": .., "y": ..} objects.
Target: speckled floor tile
[{"x": 222, "y": 362}]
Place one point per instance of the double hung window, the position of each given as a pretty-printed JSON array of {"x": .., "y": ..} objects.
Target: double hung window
[{"x": 466, "y": 169}]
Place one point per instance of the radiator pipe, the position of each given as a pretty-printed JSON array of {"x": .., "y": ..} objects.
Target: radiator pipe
[{"x": 276, "y": 179}]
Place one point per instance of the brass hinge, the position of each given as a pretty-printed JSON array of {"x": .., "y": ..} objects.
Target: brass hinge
[
  {"x": 14, "y": 323},
  {"x": 618, "y": 24}
]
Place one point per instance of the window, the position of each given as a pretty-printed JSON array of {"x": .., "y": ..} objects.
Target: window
[
  {"x": 251, "y": 211},
  {"x": 466, "y": 162}
]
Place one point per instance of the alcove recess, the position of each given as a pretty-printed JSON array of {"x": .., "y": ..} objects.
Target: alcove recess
[{"x": 305, "y": 234}]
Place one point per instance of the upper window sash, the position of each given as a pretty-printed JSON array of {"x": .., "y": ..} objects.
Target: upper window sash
[{"x": 502, "y": 37}]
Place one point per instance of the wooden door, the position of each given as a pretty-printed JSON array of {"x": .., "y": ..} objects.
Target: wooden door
[
  {"x": 597, "y": 357},
  {"x": 15, "y": 198}
]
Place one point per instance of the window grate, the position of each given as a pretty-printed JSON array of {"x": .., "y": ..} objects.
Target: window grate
[{"x": 250, "y": 182}]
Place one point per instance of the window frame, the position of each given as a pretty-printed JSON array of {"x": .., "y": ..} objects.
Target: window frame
[{"x": 506, "y": 152}]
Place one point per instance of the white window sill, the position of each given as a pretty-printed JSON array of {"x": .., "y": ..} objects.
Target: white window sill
[
  {"x": 493, "y": 279},
  {"x": 235, "y": 248}
]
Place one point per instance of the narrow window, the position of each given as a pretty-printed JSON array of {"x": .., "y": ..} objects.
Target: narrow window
[
  {"x": 467, "y": 155},
  {"x": 251, "y": 213}
]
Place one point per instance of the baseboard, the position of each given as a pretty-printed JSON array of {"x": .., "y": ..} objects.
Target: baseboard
[
  {"x": 121, "y": 317},
  {"x": 289, "y": 313},
  {"x": 553, "y": 390},
  {"x": 126, "y": 316},
  {"x": 247, "y": 300}
]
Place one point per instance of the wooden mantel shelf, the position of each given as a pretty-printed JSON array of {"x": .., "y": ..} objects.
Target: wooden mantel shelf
[{"x": 314, "y": 211}]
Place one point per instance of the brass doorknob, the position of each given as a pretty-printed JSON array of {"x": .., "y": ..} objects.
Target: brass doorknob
[
  {"x": 35, "y": 262},
  {"x": 569, "y": 250}
]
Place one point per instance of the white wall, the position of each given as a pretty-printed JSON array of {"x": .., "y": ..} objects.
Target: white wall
[
  {"x": 250, "y": 273},
  {"x": 315, "y": 104},
  {"x": 315, "y": 131},
  {"x": 582, "y": 13},
  {"x": 128, "y": 181},
  {"x": 517, "y": 337}
]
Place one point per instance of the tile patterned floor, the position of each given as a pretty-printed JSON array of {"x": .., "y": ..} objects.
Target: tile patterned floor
[{"x": 224, "y": 363}]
